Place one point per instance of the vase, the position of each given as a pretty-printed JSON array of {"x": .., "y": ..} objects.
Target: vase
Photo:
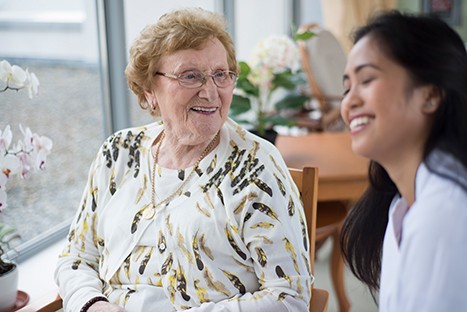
[
  {"x": 9, "y": 288},
  {"x": 270, "y": 135}
]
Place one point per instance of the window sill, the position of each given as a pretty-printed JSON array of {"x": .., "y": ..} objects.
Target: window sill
[{"x": 36, "y": 276}]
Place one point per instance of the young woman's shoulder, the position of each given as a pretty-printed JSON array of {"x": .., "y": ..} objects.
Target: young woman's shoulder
[{"x": 441, "y": 203}]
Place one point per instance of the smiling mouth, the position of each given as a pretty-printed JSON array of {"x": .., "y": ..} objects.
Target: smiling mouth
[
  {"x": 359, "y": 122},
  {"x": 204, "y": 109}
]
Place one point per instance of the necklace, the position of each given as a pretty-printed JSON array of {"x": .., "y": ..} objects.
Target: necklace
[{"x": 179, "y": 189}]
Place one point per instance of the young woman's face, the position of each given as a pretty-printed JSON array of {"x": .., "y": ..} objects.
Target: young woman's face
[
  {"x": 381, "y": 106},
  {"x": 193, "y": 115}
]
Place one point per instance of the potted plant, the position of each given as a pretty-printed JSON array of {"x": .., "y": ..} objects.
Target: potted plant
[
  {"x": 8, "y": 269},
  {"x": 26, "y": 155},
  {"x": 267, "y": 88}
]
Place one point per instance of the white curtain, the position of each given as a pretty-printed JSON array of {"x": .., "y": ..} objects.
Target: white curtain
[{"x": 342, "y": 16}]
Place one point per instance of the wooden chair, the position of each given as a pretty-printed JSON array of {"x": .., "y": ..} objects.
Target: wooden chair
[
  {"x": 53, "y": 306},
  {"x": 323, "y": 62},
  {"x": 326, "y": 225},
  {"x": 306, "y": 180}
]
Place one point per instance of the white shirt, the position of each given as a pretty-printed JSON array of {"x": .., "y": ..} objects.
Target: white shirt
[{"x": 424, "y": 266}]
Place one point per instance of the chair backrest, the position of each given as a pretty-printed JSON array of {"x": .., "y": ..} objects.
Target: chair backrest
[
  {"x": 306, "y": 180},
  {"x": 323, "y": 61}
]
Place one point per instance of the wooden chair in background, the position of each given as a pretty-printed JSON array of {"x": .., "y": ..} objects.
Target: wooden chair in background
[
  {"x": 323, "y": 62},
  {"x": 306, "y": 180}
]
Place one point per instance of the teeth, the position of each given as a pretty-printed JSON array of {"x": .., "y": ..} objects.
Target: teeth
[
  {"x": 202, "y": 109},
  {"x": 359, "y": 121}
]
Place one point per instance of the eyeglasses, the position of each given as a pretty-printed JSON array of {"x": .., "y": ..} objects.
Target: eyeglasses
[{"x": 196, "y": 79}]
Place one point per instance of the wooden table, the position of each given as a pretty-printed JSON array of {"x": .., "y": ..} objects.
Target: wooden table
[
  {"x": 342, "y": 178},
  {"x": 342, "y": 174}
]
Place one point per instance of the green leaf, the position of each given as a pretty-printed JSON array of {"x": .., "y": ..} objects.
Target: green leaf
[
  {"x": 303, "y": 36},
  {"x": 5, "y": 230},
  {"x": 278, "y": 120},
  {"x": 247, "y": 87},
  {"x": 291, "y": 101},
  {"x": 284, "y": 80},
  {"x": 244, "y": 69},
  {"x": 240, "y": 105}
]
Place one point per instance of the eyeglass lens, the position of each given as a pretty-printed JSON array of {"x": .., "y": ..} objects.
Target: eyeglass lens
[{"x": 195, "y": 79}]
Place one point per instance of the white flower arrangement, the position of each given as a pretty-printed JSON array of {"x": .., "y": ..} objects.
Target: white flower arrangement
[
  {"x": 30, "y": 153},
  {"x": 274, "y": 64},
  {"x": 273, "y": 55}
]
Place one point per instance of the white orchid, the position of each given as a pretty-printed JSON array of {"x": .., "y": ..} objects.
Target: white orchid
[
  {"x": 16, "y": 78},
  {"x": 3, "y": 196},
  {"x": 30, "y": 153}
]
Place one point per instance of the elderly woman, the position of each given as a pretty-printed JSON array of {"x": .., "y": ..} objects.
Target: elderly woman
[{"x": 192, "y": 211}]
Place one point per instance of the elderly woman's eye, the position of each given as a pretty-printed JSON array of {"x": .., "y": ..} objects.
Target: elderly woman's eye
[
  {"x": 191, "y": 76},
  {"x": 221, "y": 74}
]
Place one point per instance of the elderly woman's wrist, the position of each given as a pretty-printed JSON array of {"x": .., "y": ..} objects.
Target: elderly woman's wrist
[{"x": 91, "y": 301}]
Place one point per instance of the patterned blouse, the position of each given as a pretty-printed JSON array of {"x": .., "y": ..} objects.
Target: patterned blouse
[{"x": 233, "y": 239}]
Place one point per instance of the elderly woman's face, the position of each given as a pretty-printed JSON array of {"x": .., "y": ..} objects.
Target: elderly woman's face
[{"x": 193, "y": 115}]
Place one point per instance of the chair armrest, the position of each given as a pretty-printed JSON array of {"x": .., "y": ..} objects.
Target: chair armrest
[{"x": 319, "y": 300}]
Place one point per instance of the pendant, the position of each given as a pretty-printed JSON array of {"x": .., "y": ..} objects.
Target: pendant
[{"x": 149, "y": 213}]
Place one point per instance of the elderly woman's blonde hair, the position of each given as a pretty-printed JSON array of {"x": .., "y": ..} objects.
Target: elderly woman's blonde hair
[{"x": 179, "y": 30}]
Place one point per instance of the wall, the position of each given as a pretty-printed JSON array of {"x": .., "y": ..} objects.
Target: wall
[{"x": 416, "y": 6}]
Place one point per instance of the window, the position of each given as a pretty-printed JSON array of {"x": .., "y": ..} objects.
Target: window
[{"x": 56, "y": 40}]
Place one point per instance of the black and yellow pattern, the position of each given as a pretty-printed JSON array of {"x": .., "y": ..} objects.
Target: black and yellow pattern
[{"x": 239, "y": 234}]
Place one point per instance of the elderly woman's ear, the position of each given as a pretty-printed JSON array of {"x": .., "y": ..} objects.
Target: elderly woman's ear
[{"x": 151, "y": 99}]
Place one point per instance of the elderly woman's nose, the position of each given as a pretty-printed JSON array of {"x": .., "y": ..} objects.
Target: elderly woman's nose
[{"x": 209, "y": 90}]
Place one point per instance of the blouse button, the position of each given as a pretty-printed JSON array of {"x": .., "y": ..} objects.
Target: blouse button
[{"x": 161, "y": 247}]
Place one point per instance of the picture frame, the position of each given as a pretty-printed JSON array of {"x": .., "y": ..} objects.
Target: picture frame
[{"x": 447, "y": 10}]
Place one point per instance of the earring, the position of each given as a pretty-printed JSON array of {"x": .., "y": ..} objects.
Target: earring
[{"x": 429, "y": 104}]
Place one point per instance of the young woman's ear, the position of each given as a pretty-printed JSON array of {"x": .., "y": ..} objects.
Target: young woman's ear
[{"x": 432, "y": 101}]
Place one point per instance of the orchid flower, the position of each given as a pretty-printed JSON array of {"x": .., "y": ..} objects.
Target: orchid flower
[
  {"x": 5, "y": 139},
  {"x": 16, "y": 78},
  {"x": 30, "y": 153},
  {"x": 3, "y": 198}
]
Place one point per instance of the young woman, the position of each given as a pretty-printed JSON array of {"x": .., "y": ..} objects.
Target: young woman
[{"x": 405, "y": 103}]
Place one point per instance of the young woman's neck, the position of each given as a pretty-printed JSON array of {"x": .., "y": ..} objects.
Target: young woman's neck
[{"x": 403, "y": 173}]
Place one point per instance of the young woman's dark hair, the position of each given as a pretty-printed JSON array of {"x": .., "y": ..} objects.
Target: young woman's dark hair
[{"x": 433, "y": 54}]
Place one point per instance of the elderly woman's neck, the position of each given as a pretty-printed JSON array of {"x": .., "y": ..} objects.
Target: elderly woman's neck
[{"x": 175, "y": 155}]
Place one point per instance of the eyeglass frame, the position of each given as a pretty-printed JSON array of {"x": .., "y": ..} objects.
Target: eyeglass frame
[{"x": 233, "y": 78}]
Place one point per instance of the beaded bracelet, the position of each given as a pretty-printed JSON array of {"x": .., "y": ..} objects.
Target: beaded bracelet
[{"x": 88, "y": 304}]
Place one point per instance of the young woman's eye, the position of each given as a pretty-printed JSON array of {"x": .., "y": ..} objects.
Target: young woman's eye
[
  {"x": 367, "y": 81},
  {"x": 346, "y": 89}
]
